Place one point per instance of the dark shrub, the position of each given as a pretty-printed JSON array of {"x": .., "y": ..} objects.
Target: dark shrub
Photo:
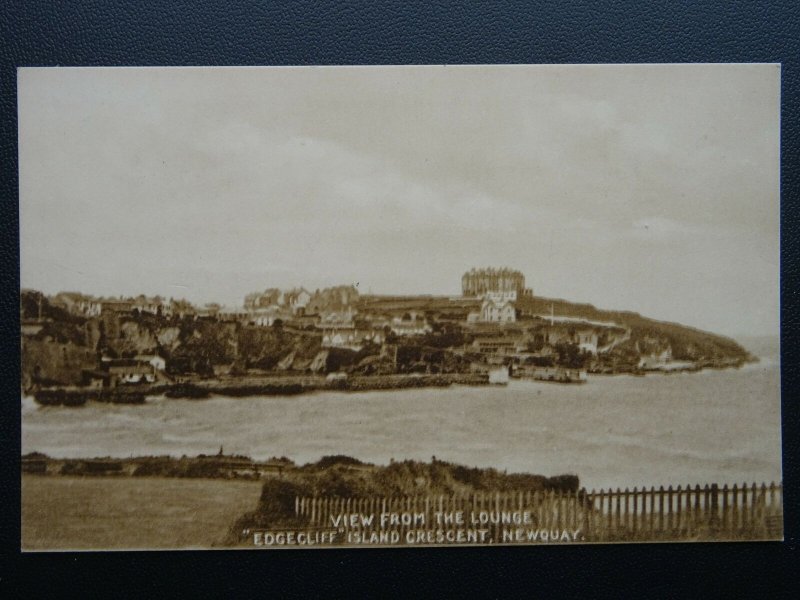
[
  {"x": 563, "y": 483},
  {"x": 336, "y": 459}
]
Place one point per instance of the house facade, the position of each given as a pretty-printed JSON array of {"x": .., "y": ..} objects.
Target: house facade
[
  {"x": 498, "y": 307},
  {"x": 587, "y": 341}
]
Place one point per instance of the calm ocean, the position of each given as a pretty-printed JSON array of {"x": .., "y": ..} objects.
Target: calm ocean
[{"x": 712, "y": 426}]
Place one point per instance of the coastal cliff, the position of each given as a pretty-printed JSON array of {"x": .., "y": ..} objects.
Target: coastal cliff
[{"x": 432, "y": 338}]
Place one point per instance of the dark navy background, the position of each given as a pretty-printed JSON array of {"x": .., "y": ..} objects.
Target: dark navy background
[{"x": 246, "y": 32}]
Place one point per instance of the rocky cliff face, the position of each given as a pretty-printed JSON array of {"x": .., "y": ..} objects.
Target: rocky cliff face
[{"x": 208, "y": 346}]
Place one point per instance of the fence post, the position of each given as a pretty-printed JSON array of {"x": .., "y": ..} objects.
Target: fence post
[
  {"x": 626, "y": 512},
  {"x": 707, "y": 517},
  {"x": 549, "y": 501},
  {"x": 725, "y": 510},
  {"x": 427, "y": 512},
  {"x": 602, "y": 521},
  {"x": 573, "y": 510},
  {"x": 496, "y": 528},
  {"x": 686, "y": 509},
  {"x": 541, "y": 504},
  {"x": 670, "y": 522},
  {"x": 568, "y": 510},
  {"x": 714, "y": 504},
  {"x": 772, "y": 510},
  {"x": 585, "y": 521},
  {"x": 687, "y": 513},
  {"x": 546, "y": 508},
  {"x": 559, "y": 510},
  {"x": 744, "y": 508}
]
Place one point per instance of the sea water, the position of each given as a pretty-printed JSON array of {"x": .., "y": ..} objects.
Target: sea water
[{"x": 613, "y": 431}]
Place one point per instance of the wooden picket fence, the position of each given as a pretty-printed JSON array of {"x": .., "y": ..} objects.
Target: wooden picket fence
[
  {"x": 686, "y": 513},
  {"x": 711, "y": 512}
]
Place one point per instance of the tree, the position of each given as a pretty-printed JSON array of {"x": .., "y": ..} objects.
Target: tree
[{"x": 569, "y": 355}]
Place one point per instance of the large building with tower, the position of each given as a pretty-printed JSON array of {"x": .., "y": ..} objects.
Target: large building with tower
[{"x": 499, "y": 289}]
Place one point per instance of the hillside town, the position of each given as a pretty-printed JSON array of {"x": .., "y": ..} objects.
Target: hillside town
[{"x": 494, "y": 329}]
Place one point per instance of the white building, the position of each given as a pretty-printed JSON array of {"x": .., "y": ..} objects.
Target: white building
[
  {"x": 266, "y": 317},
  {"x": 587, "y": 341},
  {"x": 410, "y": 324},
  {"x": 154, "y": 360},
  {"x": 297, "y": 299},
  {"x": 498, "y": 307},
  {"x": 90, "y": 307}
]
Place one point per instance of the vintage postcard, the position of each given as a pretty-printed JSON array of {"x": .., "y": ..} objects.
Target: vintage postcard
[{"x": 324, "y": 307}]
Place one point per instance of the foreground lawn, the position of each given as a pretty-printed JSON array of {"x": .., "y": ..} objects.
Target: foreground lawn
[{"x": 93, "y": 513}]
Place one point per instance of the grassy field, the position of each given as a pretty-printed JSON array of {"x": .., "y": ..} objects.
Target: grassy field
[{"x": 86, "y": 513}]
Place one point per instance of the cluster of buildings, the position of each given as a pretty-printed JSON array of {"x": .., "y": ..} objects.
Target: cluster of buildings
[
  {"x": 112, "y": 372},
  {"x": 334, "y": 313},
  {"x": 342, "y": 321},
  {"x": 89, "y": 306},
  {"x": 496, "y": 307},
  {"x": 498, "y": 290},
  {"x": 294, "y": 301},
  {"x": 353, "y": 331},
  {"x": 585, "y": 339}
]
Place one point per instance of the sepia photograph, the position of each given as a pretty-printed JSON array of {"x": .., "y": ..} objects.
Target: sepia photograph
[{"x": 397, "y": 306}]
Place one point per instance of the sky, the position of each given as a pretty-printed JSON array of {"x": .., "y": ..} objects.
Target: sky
[{"x": 652, "y": 188}]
